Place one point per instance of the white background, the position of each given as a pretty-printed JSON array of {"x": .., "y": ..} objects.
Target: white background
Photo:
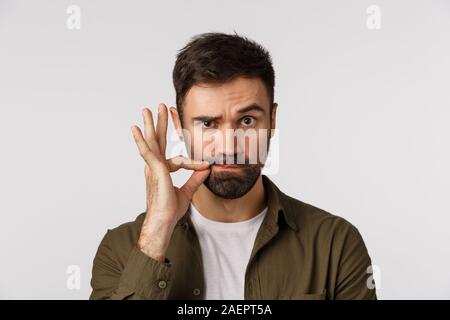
[{"x": 363, "y": 118}]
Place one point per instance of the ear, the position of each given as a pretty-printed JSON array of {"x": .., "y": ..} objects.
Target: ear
[
  {"x": 273, "y": 118},
  {"x": 176, "y": 122}
]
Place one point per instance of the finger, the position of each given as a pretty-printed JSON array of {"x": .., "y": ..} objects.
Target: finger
[
  {"x": 161, "y": 128},
  {"x": 144, "y": 150},
  {"x": 179, "y": 162},
  {"x": 149, "y": 130},
  {"x": 194, "y": 182},
  {"x": 176, "y": 120}
]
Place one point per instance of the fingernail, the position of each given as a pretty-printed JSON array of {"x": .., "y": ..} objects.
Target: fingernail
[{"x": 160, "y": 108}]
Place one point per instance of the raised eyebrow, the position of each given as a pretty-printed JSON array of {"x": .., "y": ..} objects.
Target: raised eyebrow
[{"x": 252, "y": 107}]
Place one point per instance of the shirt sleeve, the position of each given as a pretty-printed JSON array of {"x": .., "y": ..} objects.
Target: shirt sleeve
[
  {"x": 140, "y": 278},
  {"x": 354, "y": 282}
]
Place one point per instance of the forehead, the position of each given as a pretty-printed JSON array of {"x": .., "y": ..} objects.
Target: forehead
[{"x": 225, "y": 97}]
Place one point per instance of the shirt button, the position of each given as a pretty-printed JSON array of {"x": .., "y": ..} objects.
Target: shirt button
[
  {"x": 162, "y": 284},
  {"x": 196, "y": 292}
]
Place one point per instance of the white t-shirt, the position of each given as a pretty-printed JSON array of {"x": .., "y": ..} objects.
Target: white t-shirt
[{"x": 226, "y": 249}]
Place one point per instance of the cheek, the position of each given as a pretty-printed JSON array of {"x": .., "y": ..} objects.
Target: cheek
[
  {"x": 201, "y": 147},
  {"x": 256, "y": 146},
  {"x": 250, "y": 148},
  {"x": 196, "y": 143}
]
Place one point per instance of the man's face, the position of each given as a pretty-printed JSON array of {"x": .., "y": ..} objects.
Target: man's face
[{"x": 229, "y": 124}]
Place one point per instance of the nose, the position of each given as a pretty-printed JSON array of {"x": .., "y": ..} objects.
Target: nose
[{"x": 228, "y": 147}]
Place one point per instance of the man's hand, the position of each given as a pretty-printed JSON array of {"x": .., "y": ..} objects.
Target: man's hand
[{"x": 166, "y": 204}]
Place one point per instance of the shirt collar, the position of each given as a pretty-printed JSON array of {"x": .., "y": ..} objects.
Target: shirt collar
[{"x": 278, "y": 204}]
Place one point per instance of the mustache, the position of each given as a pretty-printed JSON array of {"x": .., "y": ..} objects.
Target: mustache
[{"x": 228, "y": 159}]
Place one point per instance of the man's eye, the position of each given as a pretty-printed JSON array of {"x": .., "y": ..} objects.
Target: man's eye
[
  {"x": 248, "y": 121},
  {"x": 207, "y": 124}
]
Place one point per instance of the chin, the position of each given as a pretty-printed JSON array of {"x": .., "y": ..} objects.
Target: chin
[{"x": 232, "y": 182}]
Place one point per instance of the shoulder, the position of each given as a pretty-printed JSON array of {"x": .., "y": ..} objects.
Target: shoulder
[
  {"x": 128, "y": 229},
  {"x": 120, "y": 240},
  {"x": 316, "y": 222},
  {"x": 309, "y": 220}
]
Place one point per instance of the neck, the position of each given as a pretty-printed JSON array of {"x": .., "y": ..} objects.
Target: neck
[{"x": 230, "y": 210}]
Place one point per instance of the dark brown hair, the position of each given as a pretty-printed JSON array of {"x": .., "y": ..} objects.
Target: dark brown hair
[{"x": 218, "y": 58}]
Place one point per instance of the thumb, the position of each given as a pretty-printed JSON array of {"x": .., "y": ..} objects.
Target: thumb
[{"x": 194, "y": 182}]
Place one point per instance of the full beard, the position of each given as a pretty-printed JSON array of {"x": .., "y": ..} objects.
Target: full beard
[{"x": 233, "y": 185}]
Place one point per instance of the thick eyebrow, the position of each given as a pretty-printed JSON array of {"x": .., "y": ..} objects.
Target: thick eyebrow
[
  {"x": 252, "y": 107},
  {"x": 205, "y": 118}
]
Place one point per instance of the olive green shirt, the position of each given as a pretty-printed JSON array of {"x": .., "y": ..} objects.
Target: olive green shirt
[{"x": 300, "y": 252}]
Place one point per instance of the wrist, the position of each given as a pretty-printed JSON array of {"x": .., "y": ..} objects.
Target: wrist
[{"x": 153, "y": 242}]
